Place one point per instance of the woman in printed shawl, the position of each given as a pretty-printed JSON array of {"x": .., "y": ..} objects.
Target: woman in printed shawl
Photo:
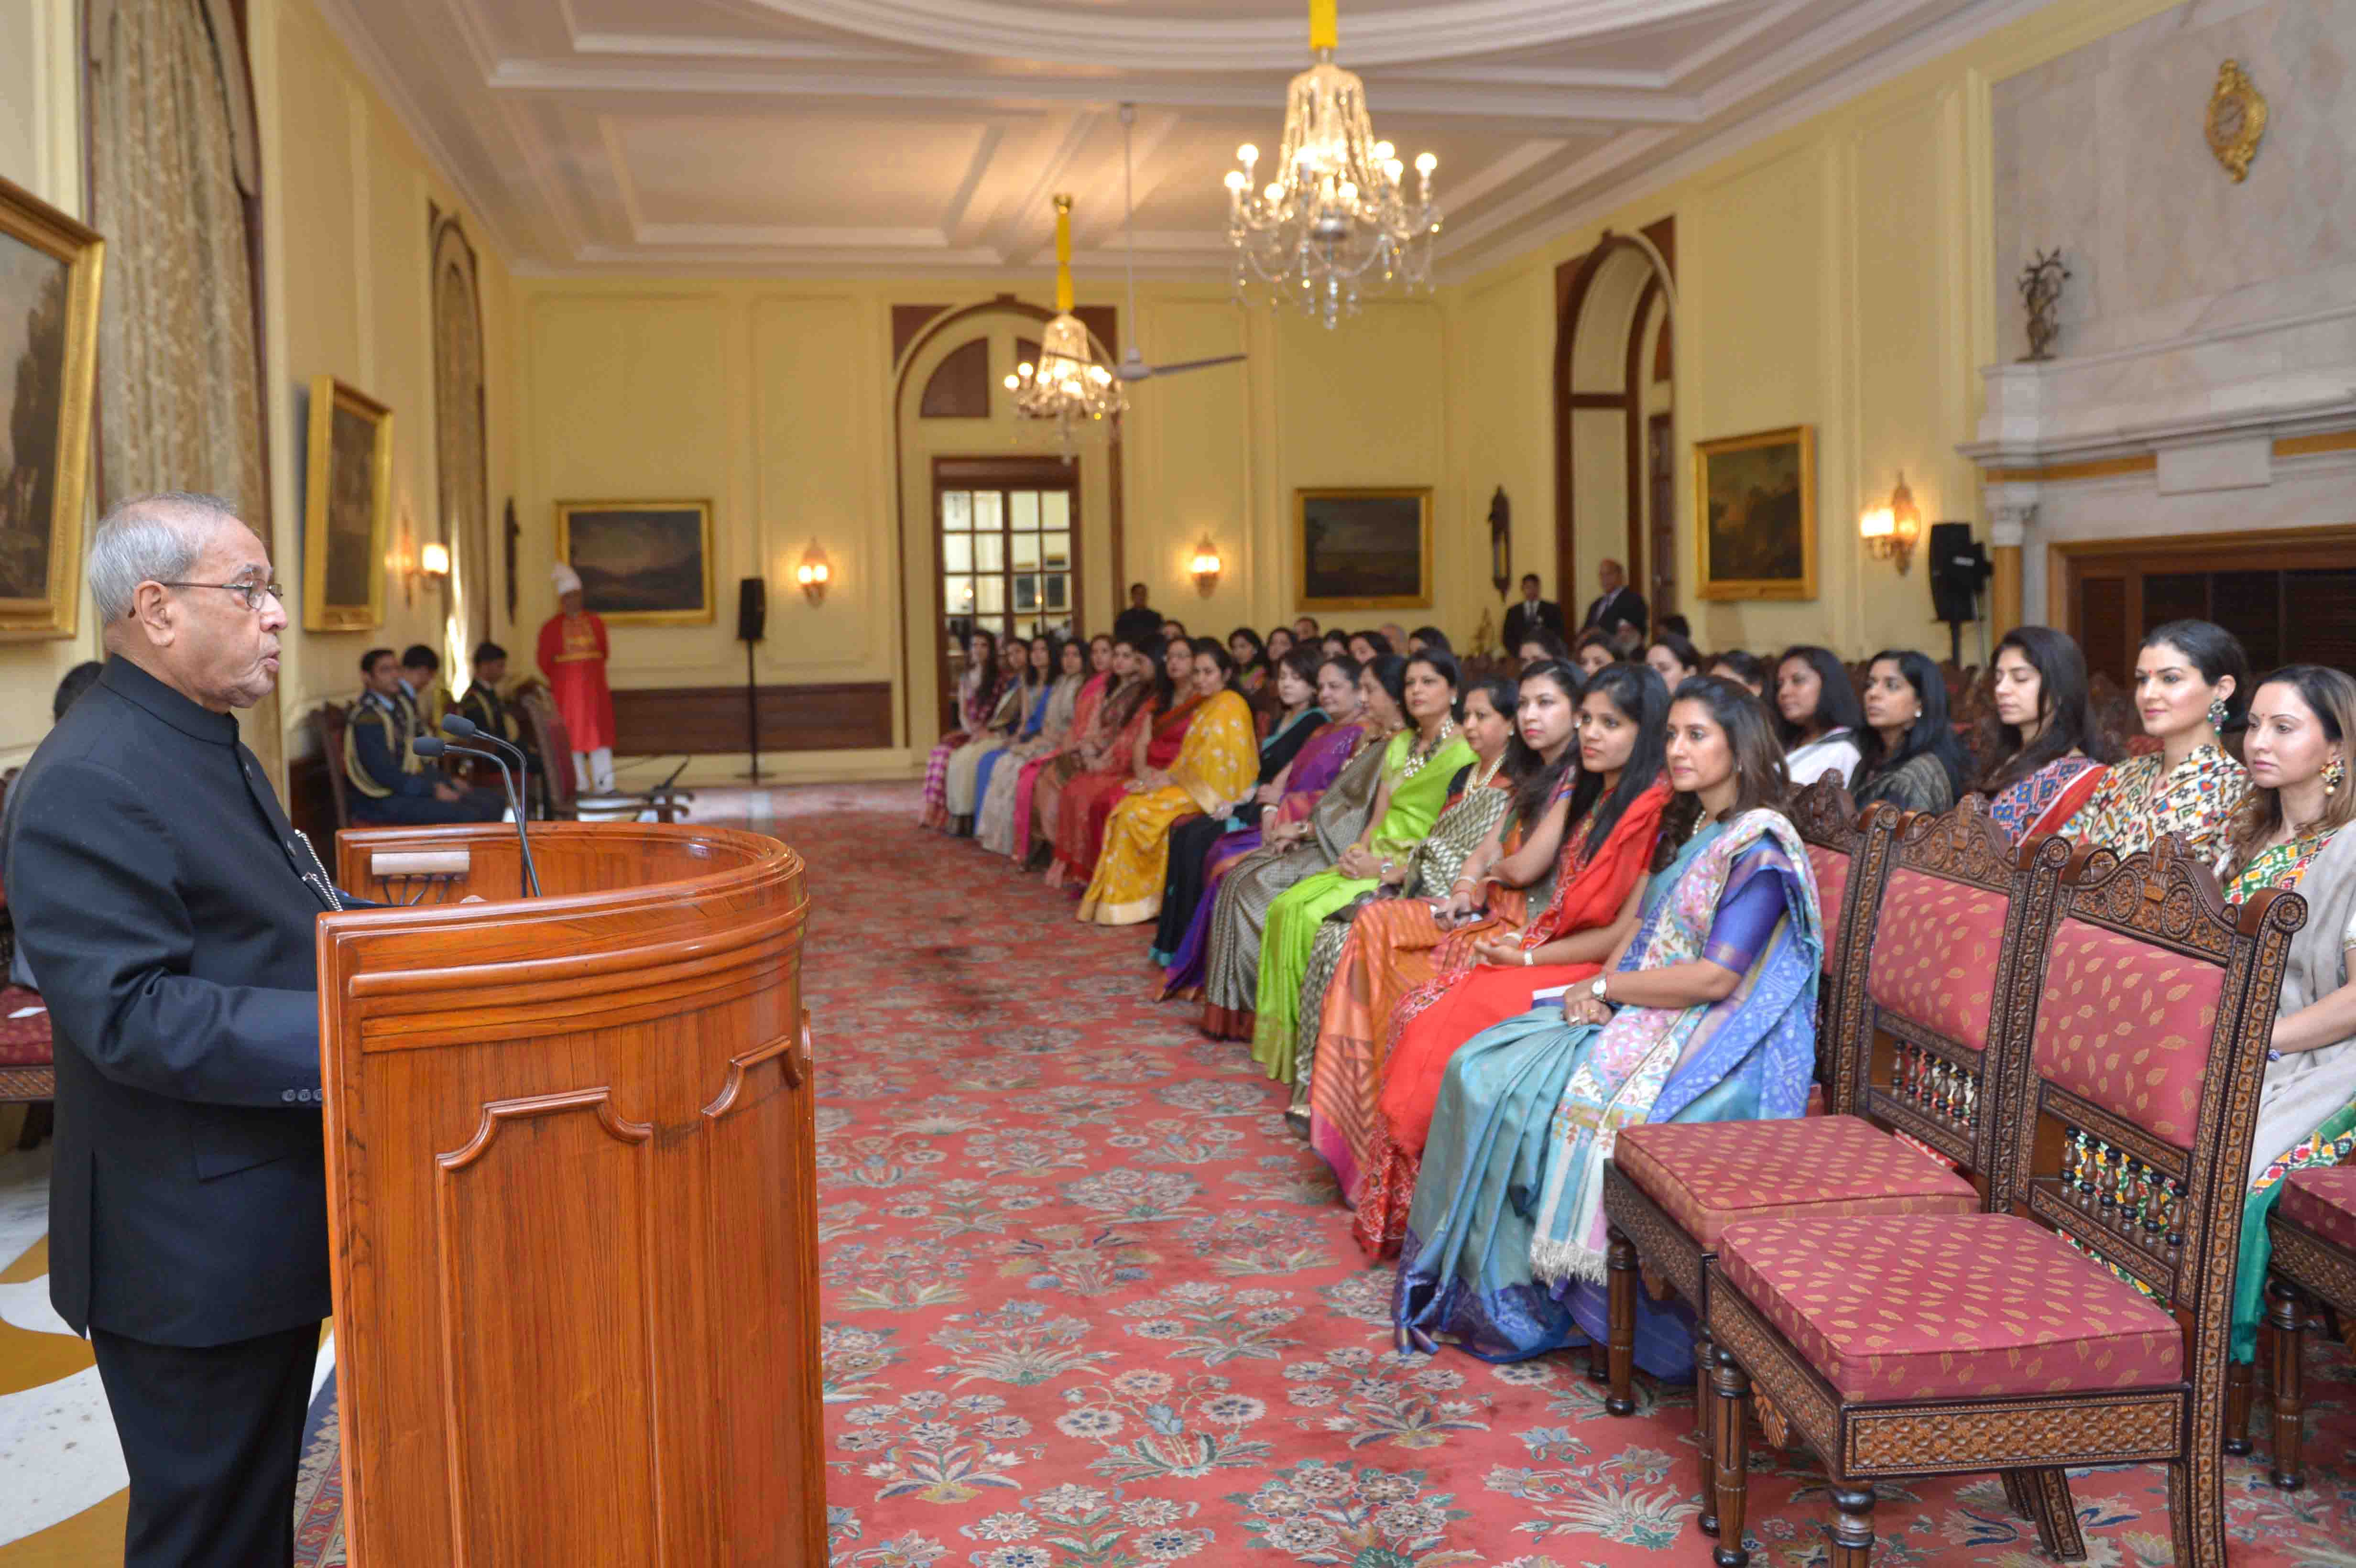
[
  {"x": 1028, "y": 662},
  {"x": 2292, "y": 832},
  {"x": 1212, "y": 772},
  {"x": 1203, "y": 851},
  {"x": 1907, "y": 752},
  {"x": 1104, "y": 744},
  {"x": 1707, "y": 1014},
  {"x": 977, "y": 700},
  {"x": 1423, "y": 759},
  {"x": 1616, "y": 808},
  {"x": 1239, "y": 913},
  {"x": 2190, "y": 679},
  {"x": 1152, "y": 739},
  {"x": 2047, "y": 756},
  {"x": 1043, "y": 735}
]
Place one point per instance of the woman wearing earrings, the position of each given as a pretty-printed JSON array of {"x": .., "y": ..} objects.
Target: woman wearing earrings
[
  {"x": 977, "y": 700},
  {"x": 1907, "y": 752},
  {"x": 2291, "y": 831},
  {"x": 1050, "y": 722},
  {"x": 2048, "y": 756},
  {"x": 2189, "y": 677}
]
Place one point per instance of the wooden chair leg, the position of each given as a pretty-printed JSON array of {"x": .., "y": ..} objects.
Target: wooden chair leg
[
  {"x": 2196, "y": 1498},
  {"x": 2238, "y": 1376},
  {"x": 1706, "y": 1425},
  {"x": 2287, "y": 1313},
  {"x": 2017, "y": 1494},
  {"x": 1732, "y": 1481},
  {"x": 2054, "y": 1513},
  {"x": 1853, "y": 1527},
  {"x": 1620, "y": 1323}
]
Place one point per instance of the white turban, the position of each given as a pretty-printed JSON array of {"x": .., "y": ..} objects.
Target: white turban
[{"x": 567, "y": 581}]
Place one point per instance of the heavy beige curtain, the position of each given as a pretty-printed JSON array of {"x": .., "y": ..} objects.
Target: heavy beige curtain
[
  {"x": 172, "y": 160},
  {"x": 460, "y": 453}
]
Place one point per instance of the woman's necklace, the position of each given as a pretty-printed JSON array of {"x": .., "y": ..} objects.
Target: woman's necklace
[
  {"x": 1482, "y": 777},
  {"x": 1420, "y": 753}
]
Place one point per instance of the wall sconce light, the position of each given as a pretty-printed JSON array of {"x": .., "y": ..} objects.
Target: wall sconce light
[
  {"x": 1892, "y": 532},
  {"x": 814, "y": 574},
  {"x": 434, "y": 560},
  {"x": 1205, "y": 566}
]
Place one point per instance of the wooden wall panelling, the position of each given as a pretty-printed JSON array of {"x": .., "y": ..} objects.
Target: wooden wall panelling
[
  {"x": 704, "y": 720},
  {"x": 958, "y": 387}
]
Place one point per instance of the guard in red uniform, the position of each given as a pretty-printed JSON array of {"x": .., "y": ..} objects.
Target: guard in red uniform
[{"x": 572, "y": 649}]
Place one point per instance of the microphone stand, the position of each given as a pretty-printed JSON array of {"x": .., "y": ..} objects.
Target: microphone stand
[
  {"x": 465, "y": 728},
  {"x": 434, "y": 746}
]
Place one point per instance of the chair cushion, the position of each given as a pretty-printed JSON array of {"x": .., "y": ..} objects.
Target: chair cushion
[
  {"x": 2321, "y": 1198},
  {"x": 1832, "y": 887},
  {"x": 1932, "y": 1306},
  {"x": 1935, "y": 948},
  {"x": 1708, "y": 1175},
  {"x": 2127, "y": 1026},
  {"x": 23, "y": 1042}
]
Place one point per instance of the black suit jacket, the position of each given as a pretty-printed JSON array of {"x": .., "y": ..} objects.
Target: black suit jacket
[
  {"x": 169, "y": 911},
  {"x": 1609, "y": 611},
  {"x": 1521, "y": 624}
]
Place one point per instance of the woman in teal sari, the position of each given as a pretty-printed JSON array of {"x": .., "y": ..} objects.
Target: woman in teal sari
[
  {"x": 1707, "y": 1014},
  {"x": 1417, "y": 768}
]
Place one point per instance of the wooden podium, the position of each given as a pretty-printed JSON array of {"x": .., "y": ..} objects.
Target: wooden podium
[{"x": 570, "y": 1182}]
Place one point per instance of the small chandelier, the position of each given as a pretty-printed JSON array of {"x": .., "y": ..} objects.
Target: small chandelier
[
  {"x": 1069, "y": 384},
  {"x": 1335, "y": 210}
]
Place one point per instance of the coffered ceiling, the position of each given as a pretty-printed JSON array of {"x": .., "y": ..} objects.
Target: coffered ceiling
[{"x": 927, "y": 135}]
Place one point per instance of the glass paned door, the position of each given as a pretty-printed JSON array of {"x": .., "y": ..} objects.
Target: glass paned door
[{"x": 1008, "y": 561}]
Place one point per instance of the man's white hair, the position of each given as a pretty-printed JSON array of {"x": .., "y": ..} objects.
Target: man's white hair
[{"x": 150, "y": 539}]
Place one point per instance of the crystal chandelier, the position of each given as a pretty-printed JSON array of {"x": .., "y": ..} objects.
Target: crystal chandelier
[
  {"x": 1335, "y": 210},
  {"x": 1069, "y": 384}
]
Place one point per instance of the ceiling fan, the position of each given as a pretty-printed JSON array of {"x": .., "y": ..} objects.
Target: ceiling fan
[{"x": 1132, "y": 366}]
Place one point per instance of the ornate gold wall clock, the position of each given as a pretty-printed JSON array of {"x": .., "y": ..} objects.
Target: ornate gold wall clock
[{"x": 2236, "y": 121}]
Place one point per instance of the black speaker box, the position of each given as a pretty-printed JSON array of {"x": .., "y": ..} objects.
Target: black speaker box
[
  {"x": 1959, "y": 566},
  {"x": 752, "y": 609}
]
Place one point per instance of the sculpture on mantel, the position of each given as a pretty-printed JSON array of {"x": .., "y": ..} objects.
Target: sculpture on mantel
[{"x": 2040, "y": 291}]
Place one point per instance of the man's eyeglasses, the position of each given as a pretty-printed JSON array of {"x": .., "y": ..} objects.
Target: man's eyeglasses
[{"x": 251, "y": 592}]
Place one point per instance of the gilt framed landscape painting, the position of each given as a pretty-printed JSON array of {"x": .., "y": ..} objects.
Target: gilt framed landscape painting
[
  {"x": 1755, "y": 501},
  {"x": 1364, "y": 550},
  {"x": 347, "y": 508},
  {"x": 49, "y": 268},
  {"x": 641, "y": 562}
]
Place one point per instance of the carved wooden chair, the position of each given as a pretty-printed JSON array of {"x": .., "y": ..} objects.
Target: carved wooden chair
[
  {"x": 2087, "y": 1322},
  {"x": 28, "y": 1074},
  {"x": 1835, "y": 837},
  {"x": 330, "y": 719},
  {"x": 1939, "y": 911},
  {"x": 2313, "y": 1227}
]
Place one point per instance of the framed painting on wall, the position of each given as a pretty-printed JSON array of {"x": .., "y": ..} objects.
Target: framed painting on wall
[
  {"x": 49, "y": 268},
  {"x": 1755, "y": 498},
  {"x": 641, "y": 562},
  {"x": 1364, "y": 550},
  {"x": 347, "y": 508}
]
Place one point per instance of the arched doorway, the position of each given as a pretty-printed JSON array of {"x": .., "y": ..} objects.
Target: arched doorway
[
  {"x": 1615, "y": 429},
  {"x": 462, "y": 519}
]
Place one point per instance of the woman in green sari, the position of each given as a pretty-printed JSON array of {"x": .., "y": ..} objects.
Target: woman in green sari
[{"x": 1417, "y": 768}]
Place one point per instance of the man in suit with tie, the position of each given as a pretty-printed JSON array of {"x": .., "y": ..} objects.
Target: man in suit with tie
[
  {"x": 1619, "y": 611},
  {"x": 169, "y": 911},
  {"x": 1531, "y": 616}
]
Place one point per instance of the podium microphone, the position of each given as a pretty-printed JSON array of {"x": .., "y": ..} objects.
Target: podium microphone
[
  {"x": 434, "y": 746},
  {"x": 465, "y": 728}
]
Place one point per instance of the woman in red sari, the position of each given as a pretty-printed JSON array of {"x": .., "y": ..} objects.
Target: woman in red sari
[
  {"x": 1152, "y": 740},
  {"x": 1099, "y": 685},
  {"x": 1615, "y": 817}
]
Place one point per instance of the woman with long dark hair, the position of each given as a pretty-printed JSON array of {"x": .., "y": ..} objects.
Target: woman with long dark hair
[
  {"x": 960, "y": 783},
  {"x": 1817, "y": 714},
  {"x": 1081, "y": 731},
  {"x": 1907, "y": 752},
  {"x": 2048, "y": 756},
  {"x": 1042, "y": 733},
  {"x": 1673, "y": 657},
  {"x": 1747, "y": 670},
  {"x": 1212, "y": 771},
  {"x": 2191, "y": 681},
  {"x": 1707, "y": 1013},
  {"x": 1086, "y": 800},
  {"x": 977, "y": 700}
]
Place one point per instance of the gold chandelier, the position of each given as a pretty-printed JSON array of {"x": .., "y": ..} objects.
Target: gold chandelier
[
  {"x": 1334, "y": 212},
  {"x": 1069, "y": 384}
]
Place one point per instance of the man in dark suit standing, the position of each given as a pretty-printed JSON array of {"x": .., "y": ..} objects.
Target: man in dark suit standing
[
  {"x": 168, "y": 909},
  {"x": 1137, "y": 624},
  {"x": 1619, "y": 609},
  {"x": 1532, "y": 616}
]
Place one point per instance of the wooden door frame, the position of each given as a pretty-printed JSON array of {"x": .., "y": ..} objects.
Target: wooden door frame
[
  {"x": 2246, "y": 549},
  {"x": 1002, "y": 471},
  {"x": 1573, "y": 281}
]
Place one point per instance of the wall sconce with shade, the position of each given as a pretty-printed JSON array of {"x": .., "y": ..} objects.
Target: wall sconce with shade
[
  {"x": 814, "y": 573},
  {"x": 1205, "y": 566},
  {"x": 1892, "y": 530},
  {"x": 434, "y": 560}
]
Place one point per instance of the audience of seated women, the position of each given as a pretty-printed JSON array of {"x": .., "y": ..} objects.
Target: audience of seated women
[
  {"x": 1704, "y": 1014},
  {"x": 958, "y": 794},
  {"x": 977, "y": 700},
  {"x": 1607, "y": 829},
  {"x": 1907, "y": 752},
  {"x": 1420, "y": 762},
  {"x": 2190, "y": 679},
  {"x": 1673, "y": 657},
  {"x": 1367, "y": 646},
  {"x": 1098, "y": 683},
  {"x": 1239, "y": 911},
  {"x": 2047, "y": 757},
  {"x": 1211, "y": 773},
  {"x": 1042, "y": 733},
  {"x": 1541, "y": 647},
  {"x": 1111, "y": 742},
  {"x": 1032, "y": 666},
  {"x": 1152, "y": 739},
  {"x": 1817, "y": 715}
]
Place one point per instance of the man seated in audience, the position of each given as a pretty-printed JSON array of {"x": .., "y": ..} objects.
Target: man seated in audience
[
  {"x": 492, "y": 712},
  {"x": 389, "y": 781},
  {"x": 421, "y": 681}
]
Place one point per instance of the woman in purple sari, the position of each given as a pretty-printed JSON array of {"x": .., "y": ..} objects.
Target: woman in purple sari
[{"x": 1202, "y": 850}]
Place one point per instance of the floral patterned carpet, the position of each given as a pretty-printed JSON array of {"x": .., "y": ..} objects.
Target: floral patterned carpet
[{"x": 1089, "y": 1302}]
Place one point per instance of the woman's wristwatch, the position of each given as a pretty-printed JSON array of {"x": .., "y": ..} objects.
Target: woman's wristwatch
[{"x": 1595, "y": 989}]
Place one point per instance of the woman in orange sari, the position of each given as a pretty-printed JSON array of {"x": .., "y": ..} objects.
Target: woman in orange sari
[
  {"x": 1100, "y": 742},
  {"x": 1388, "y": 945},
  {"x": 1214, "y": 770},
  {"x": 1616, "y": 815},
  {"x": 1151, "y": 741}
]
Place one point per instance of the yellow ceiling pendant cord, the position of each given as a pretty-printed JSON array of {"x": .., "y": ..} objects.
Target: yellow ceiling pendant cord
[
  {"x": 1064, "y": 252},
  {"x": 1324, "y": 30}
]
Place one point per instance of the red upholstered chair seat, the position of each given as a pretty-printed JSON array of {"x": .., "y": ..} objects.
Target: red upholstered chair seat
[
  {"x": 1708, "y": 1175},
  {"x": 1909, "y": 1306},
  {"x": 1832, "y": 886},
  {"x": 2321, "y": 1198},
  {"x": 23, "y": 1042},
  {"x": 1935, "y": 948}
]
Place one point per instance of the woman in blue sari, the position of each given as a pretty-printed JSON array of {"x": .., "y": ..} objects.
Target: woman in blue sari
[{"x": 1705, "y": 1014}]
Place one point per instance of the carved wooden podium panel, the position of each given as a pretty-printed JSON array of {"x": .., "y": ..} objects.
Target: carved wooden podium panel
[{"x": 572, "y": 1183}]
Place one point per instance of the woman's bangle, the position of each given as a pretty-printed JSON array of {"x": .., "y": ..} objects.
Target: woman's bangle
[{"x": 1527, "y": 959}]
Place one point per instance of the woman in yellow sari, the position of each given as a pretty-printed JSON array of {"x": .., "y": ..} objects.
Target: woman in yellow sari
[{"x": 1217, "y": 766}]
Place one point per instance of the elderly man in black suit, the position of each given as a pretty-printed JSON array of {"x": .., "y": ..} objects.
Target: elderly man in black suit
[
  {"x": 1619, "y": 611},
  {"x": 169, "y": 911}
]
